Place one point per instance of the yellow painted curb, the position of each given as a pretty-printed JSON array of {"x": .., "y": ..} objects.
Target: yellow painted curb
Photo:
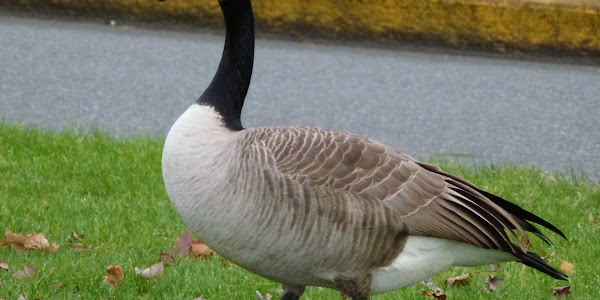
[{"x": 564, "y": 25}]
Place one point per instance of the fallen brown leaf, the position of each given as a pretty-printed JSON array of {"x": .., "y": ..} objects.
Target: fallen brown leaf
[
  {"x": 199, "y": 249},
  {"x": 166, "y": 257},
  {"x": 460, "y": 280},
  {"x": 562, "y": 291},
  {"x": 344, "y": 296},
  {"x": 115, "y": 276},
  {"x": 435, "y": 295},
  {"x": 182, "y": 244},
  {"x": 27, "y": 272},
  {"x": 153, "y": 271},
  {"x": 3, "y": 266},
  {"x": 567, "y": 267},
  {"x": 493, "y": 282},
  {"x": 591, "y": 218},
  {"x": 34, "y": 241}
]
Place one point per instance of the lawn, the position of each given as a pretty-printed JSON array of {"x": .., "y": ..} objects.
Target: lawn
[{"x": 111, "y": 191}]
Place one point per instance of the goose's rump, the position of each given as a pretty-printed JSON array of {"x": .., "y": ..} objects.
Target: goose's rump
[{"x": 424, "y": 257}]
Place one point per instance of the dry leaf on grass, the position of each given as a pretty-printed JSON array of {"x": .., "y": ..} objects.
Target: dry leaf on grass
[
  {"x": 435, "y": 295},
  {"x": 199, "y": 249},
  {"x": 344, "y": 296},
  {"x": 115, "y": 276},
  {"x": 567, "y": 267},
  {"x": 493, "y": 282},
  {"x": 28, "y": 242},
  {"x": 166, "y": 257},
  {"x": 562, "y": 291},
  {"x": 591, "y": 218},
  {"x": 151, "y": 272},
  {"x": 3, "y": 266},
  {"x": 183, "y": 243},
  {"x": 460, "y": 280},
  {"x": 27, "y": 272}
]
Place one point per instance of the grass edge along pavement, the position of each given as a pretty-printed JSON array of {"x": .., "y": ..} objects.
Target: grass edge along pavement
[
  {"x": 570, "y": 26},
  {"x": 111, "y": 191}
]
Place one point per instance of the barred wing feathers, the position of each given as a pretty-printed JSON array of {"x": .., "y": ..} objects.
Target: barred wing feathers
[{"x": 428, "y": 201}]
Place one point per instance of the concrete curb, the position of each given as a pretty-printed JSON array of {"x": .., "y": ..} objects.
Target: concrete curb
[{"x": 571, "y": 26}]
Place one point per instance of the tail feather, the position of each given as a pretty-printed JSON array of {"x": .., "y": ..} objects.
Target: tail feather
[
  {"x": 521, "y": 213},
  {"x": 535, "y": 261},
  {"x": 506, "y": 205},
  {"x": 521, "y": 218}
]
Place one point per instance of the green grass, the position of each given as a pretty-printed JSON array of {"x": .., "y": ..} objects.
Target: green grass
[{"x": 111, "y": 191}]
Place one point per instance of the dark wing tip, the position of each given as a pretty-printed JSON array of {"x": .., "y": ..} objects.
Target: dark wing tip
[
  {"x": 521, "y": 213},
  {"x": 535, "y": 261},
  {"x": 506, "y": 205}
]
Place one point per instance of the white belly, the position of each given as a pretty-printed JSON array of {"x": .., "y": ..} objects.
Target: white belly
[{"x": 424, "y": 257}]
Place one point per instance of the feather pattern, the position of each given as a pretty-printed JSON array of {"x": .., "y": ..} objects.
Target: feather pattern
[
  {"x": 371, "y": 171},
  {"x": 420, "y": 198},
  {"x": 325, "y": 208}
]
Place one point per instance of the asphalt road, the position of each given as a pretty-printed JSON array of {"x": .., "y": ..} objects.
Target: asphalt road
[{"x": 131, "y": 81}]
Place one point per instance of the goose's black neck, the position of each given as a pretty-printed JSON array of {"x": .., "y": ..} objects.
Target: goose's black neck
[{"x": 228, "y": 88}]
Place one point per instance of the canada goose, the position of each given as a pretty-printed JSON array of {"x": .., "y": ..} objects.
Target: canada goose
[{"x": 306, "y": 206}]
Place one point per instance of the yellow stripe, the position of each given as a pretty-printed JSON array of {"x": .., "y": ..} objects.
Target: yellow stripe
[{"x": 571, "y": 25}]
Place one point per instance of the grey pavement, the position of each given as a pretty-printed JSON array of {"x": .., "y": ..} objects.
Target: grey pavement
[{"x": 131, "y": 81}]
